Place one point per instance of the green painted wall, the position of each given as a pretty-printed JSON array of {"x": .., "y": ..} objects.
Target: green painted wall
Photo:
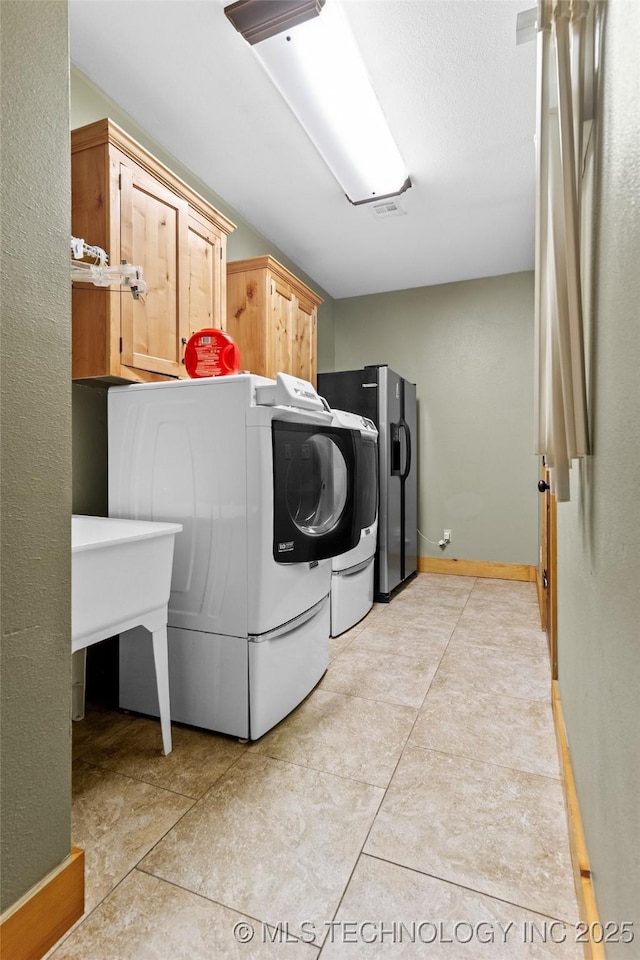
[
  {"x": 469, "y": 349},
  {"x": 599, "y": 530},
  {"x": 35, "y": 806}
]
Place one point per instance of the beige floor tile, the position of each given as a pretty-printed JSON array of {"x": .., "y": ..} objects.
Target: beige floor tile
[
  {"x": 505, "y": 590},
  {"x": 346, "y": 736},
  {"x": 513, "y": 611},
  {"x": 443, "y": 581},
  {"x": 421, "y": 614},
  {"x": 429, "y": 583},
  {"x": 273, "y": 840},
  {"x": 417, "y": 593},
  {"x": 411, "y": 640},
  {"x": 148, "y": 919},
  {"x": 197, "y": 760},
  {"x": 472, "y": 669},
  {"x": 474, "y": 800},
  {"x": 528, "y": 639},
  {"x": 376, "y": 609},
  {"x": 492, "y": 829},
  {"x": 441, "y": 921},
  {"x": 99, "y": 723},
  {"x": 338, "y": 644},
  {"x": 116, "y": 821},
  {"x": 377, "y": 675},
  {"x": 419, "y": 617},
  {"x": 430, "y": 597},
  {"x": 512, "y": 732}
]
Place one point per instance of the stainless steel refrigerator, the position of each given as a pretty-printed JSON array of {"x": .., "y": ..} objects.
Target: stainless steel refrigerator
[{"x": 389, "y": 400}]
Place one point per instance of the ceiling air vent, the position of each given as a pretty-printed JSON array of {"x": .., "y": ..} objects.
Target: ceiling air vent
[{"x": 387, "y": 208}]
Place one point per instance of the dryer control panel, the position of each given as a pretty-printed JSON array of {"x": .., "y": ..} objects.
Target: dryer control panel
[{"x": 288, "y": 391}]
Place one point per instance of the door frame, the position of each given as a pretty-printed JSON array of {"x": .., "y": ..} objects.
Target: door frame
[{"x": 547, "y": 570}]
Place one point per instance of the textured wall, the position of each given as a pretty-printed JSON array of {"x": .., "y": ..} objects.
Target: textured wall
[
  {"x": 469, "y": 348},
  {"x": 599, "y": 530},
  {"x": 36, "y": 444}
]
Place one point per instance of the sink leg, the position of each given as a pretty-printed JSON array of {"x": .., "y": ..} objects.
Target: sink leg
[
  {"x": 161, "y": 660},
  {"x": 78, "y": 682}
]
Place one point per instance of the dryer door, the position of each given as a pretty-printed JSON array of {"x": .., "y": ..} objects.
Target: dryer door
[
  {"x": 314, "y": 496},
  {"x": 368, "y": 481}
]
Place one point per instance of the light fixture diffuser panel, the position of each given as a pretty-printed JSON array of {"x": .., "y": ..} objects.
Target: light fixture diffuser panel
[{"x": 319, "y": 71}]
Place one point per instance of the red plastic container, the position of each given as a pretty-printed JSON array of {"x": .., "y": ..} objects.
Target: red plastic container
[{"x": 211, "y": 353}]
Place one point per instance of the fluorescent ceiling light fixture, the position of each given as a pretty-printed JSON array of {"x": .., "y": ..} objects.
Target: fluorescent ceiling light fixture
[
  {"x": 318, "y": 69},
  {"x": 258, "y": 19}
]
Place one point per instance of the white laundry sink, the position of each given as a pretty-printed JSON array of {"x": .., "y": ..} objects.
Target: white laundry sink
[
  {"x": 121, "y": 570},
  {"x": 121, "y": 578}
]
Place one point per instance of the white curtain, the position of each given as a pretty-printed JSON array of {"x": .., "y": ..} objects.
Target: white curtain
[{"x": 566, "y": 71}]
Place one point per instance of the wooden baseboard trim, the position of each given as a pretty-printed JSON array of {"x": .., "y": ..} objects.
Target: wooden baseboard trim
[
  {"x": 30, "y": 927},
  {"x": 478, "y": 568},
  {"x": 542, "y": 599},
  {"x": 579, "y": 857}
]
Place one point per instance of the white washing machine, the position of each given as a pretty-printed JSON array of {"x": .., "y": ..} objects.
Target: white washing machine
[
  {"x": 263, "y": 481},
  {"x": 352, "y": 577}
]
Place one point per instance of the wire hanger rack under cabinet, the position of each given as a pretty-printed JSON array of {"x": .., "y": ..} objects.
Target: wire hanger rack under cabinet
[{"x": 89, "y": 264}]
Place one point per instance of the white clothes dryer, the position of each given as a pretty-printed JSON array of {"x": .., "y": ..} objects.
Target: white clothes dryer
[
  {"x": 263, "y": 481},
  {"x": 352, "y": 576}
]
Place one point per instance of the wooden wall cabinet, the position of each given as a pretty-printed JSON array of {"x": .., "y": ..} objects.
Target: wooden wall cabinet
[
  {"x": 272, "y": 316},
  {"x": 131, "y": 205}
]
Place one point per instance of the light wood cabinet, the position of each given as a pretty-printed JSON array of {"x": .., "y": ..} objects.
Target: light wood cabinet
[
  {"x": 131, "y": 205},
  {"x": 272, "y": 316}
]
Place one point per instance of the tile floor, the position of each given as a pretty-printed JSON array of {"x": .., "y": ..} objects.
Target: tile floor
[{"x": 410, "y": 807}]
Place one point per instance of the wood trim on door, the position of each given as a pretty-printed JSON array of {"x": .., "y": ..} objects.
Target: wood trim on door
[
  {"x": 547, "y": 571},
  {"x": 593, "y": 950},
  {"x": 552, "y": 624}
]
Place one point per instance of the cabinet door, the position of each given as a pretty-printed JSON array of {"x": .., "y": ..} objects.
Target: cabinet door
[
  {"x": 280, "y": 328},
  {"x": 303, "y": 341},
  {"x": 205, "y": 275},
  {"x": 153, "y": 234}
]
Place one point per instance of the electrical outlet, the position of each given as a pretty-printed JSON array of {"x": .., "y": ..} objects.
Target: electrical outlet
[{"x": 447, "y": 536}]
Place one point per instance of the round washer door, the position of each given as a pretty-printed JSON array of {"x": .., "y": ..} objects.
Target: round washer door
[
  {"x": 314, "y": 501},
  {"x": 317, "y": 486}
]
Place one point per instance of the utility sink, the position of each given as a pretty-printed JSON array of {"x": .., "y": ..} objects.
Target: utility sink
[{"x": 121, "y": 579}]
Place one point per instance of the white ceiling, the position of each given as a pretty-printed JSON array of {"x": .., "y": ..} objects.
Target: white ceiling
[{"x": 458, "y": 93}]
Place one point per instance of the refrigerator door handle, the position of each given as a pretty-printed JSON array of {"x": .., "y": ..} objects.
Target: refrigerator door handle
[
  {"x": 400, "y": 432},
  {"x": 396, "y": 450},
  {"x": 404, "y": 426}
]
